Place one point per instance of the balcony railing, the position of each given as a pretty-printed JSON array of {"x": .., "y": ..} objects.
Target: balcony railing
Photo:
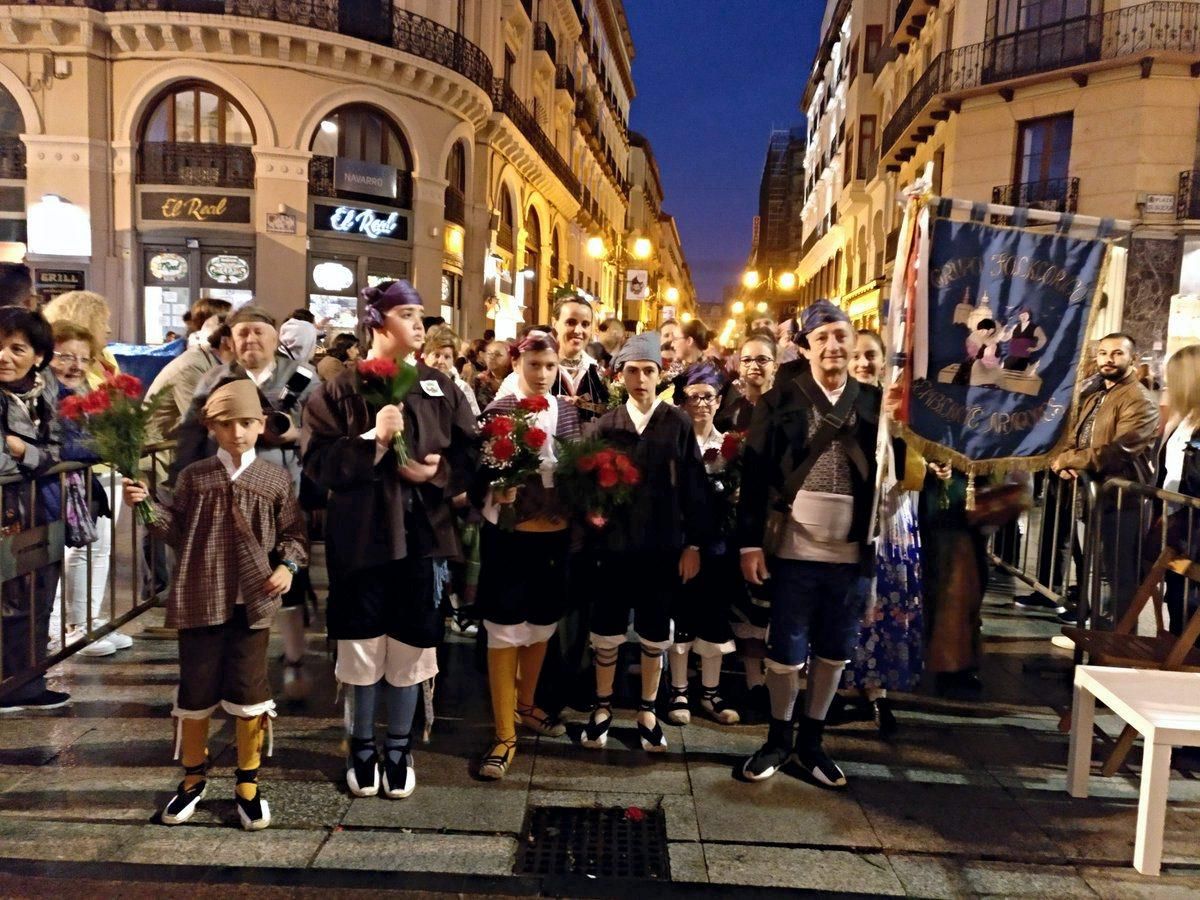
[
  {"x": 585, "y": 113},
  {"x": 1054, "y": 194},
  {"x": 543, "y": 40},
  {"x": 321, "y": 183},
  {"x": 564, "y": 80},
  {"x": 1187, "y": 201},
  {"x": 505, "y": 100},
  {"x": 1162, "y": 26},
  {"x": 196, "y": 165},
  {"x": 12, "y": 157},
  {"x": 901, "y": 11},
  {"x": 455, "y": 206},
  {"x": 866, "y": 167}
]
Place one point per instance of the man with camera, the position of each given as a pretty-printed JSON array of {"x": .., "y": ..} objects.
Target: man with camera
[{"x": 285, "y": 385}]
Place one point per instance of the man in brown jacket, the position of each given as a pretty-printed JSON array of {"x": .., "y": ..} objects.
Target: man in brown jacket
[{"x": 1114, "y": 438}]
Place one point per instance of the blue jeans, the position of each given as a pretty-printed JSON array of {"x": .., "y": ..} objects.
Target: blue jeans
[{"x": 815, "y": 607}]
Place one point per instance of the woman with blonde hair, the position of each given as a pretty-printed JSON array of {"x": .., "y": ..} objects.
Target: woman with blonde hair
[
  {"x": 89, "y": 310},
  {"x": 1179, "y": 467}
]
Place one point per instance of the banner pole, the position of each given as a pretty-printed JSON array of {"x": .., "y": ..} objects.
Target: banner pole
[{"x": 1044, "y": 216}]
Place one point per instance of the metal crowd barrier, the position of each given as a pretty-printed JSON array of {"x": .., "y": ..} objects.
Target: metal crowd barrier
[{"x": 33, "y": 564}]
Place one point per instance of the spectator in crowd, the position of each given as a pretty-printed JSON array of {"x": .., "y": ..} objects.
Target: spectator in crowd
[
  {"x": 298, "y": 338},
  {"x": 441, "y": 344},
  {"x": 303, "y": 314},
  {"x": 789, "y": 351},
  {"x": 285, "y": 386},
  {"x": 497, "y": 366},
  {"x": 170, "y": 336},
  {"x": 88, "y": 310},
  {"x": 1114, "y": 437},
  {"x": 181, "y": 375},
  {"x": 669, "y": 333},
  {"x": 16, "y": 285},
  {"x": 763, "y": 323},
  {"x": 31, "y": 445},
  {"x": 199, "y": 319},
  {"x": 1179, "y": 471},
  {"x": 756, "y": 374},
  {"x": 73, "y": 346},
  {"x": 612, "y": 337},
  {"x": 342, "y": 352}
]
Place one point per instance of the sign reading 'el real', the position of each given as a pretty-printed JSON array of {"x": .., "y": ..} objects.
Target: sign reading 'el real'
[
  {"x": 358, "y": 221},
  {"x": 191, "y": 208}
]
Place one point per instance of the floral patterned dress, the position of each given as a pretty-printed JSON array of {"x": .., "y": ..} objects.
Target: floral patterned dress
[{"x": 890, "y": 649}]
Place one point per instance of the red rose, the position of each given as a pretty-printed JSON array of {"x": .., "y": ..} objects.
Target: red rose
[
  {"x": 498, "y": 426},
  {"x": 71, "y": 407},
  {"x": 587, "y": 463},
  {"x": 129, "y": 385},
  {"x": 535, "y": 438},
  {"x": 607, "y": 477},
  {"x": 97, "y": 402},
  {"x": 635, "y": 814},
  {"x": 605, "y": 457},
  {"x": 378, "y": 369},
  {"x": 711, "y": 454},
  {"x": 503, "y": 449},
  {"x": 534, "y": 404},
  {"x": 630, "y": 476},
  {"x": 731, "y": 446}
]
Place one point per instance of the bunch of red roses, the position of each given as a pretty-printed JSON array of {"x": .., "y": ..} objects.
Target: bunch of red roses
[
  {"x": 724, "y": 469},
  {"x": 384, "y": 382},
  {"x": 512, "y": 445},
  {"x": 594, "y": 479},
  {"x": 115, "y": 422}
]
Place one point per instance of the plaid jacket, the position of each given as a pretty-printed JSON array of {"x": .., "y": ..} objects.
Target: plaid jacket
[{"x": 228, "y": 537}]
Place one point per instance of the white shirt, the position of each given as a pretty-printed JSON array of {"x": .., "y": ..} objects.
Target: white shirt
[
  {"x": 641, "y": 419},
  {"x": 235, "y": 470},
  {"x": 714, "y": 441},
  {"x": 574, "y": 378},
  {"x": 260, "y": 378},
  {"x": 1173, "y": 457},
  {"x": 547, "y": 420}
]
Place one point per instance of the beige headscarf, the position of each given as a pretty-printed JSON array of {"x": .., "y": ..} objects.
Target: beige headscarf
[{"x": 236, "y": 400}]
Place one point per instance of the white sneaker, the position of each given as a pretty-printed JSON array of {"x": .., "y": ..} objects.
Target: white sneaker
[
  {"x": 102, "y": 647},
  {"x": 120, "y": 640}
]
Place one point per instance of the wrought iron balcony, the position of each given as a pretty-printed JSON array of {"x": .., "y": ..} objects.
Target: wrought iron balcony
[
  {"x": 1055, "y": 194},
  {"x": 1187, "y": 200},
  {"x": 455, "y": 207},
  {"x": 12, "y": 158},
  {"x": 564, "y": 80},
  {"x": 587, "y": 117},
  {"x": 321, "y": 183},
  {"x": 866, "y": 168},
  {"x": 505, "y": 100},
  {"x": 1171, "y": 26},
  {"x": 543, "y": 40},
  {"x": 196, "y": 165}
]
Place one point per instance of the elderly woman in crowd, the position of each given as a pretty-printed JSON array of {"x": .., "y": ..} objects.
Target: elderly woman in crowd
[
  {"x": 89, "y": 311},
  {"x": 73, "y": 346},
  {"x": 30, "y": 446},
  {"x": 441, "y": 345}
]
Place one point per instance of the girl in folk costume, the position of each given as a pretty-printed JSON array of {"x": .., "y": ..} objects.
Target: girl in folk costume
[
  {"x": 701, "y": 614},
  {"x": 390, "y": 530},
  {"x": 523, "y": 582},
  {"x": 658, "y": 536}
]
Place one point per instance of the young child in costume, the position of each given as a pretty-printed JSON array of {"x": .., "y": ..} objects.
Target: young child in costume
[
  {"x": 656, "y": 537},
  {"x": 239, "y": 537},
  {"x": 389, "y": 531},
  {"x": 523, "y": 577}
]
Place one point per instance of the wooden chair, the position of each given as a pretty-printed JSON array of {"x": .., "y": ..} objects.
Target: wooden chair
[{"x": 1123, "y": 647}]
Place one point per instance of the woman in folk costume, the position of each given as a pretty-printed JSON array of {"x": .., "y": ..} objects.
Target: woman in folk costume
[
  {"x": 523, "y": 581},
  {"x": 701, "y": 613},
  {"x": 656, "y": 538},
  {"x": 389, "y": 531}
]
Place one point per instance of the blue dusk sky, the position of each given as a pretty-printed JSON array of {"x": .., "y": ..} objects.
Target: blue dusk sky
[{"x": 713, "y": 77}]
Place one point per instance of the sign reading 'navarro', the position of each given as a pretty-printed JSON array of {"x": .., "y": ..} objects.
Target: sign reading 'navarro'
[
  {"x": 163, "y": 207},
  {"x": 361, "y": 222}
]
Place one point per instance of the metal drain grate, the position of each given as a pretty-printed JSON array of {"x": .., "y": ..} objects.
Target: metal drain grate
[{"x": 606, "y": 843}]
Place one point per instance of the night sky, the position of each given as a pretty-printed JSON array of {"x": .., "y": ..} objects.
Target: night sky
[{"x": 713, "y": 77}]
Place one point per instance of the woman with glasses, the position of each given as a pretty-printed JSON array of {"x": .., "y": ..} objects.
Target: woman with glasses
[
  {"x": 89, "y": 311},
  {"x": 701, "y": 613},
  {"x": 756, "y": 374},
  {"x": 71, "y": 364}
]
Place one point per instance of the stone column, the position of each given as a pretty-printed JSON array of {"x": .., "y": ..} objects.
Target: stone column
[
  {"x": 281, "y": 260},
  {"x": 429, "y": 203}
]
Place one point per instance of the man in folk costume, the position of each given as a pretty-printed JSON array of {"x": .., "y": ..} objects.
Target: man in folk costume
[
  {"x": 523, "y": 582},
  {"x": 389, "y": 531},
  {"x": 657, "y": 536},
  {"x": 239, "y": 538},
  {"x": 807, "y": 498}
]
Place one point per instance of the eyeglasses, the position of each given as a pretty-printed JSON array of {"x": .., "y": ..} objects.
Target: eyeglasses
[
  {"x": 72, "y": 360},
  {"x": 704, "y": 399},
  {"x": 761, "y": 361}
]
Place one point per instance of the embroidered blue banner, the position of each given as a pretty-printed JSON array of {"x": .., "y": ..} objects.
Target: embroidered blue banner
[{"x": 1006, "y": 326}]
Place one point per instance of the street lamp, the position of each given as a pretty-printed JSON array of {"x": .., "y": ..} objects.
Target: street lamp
[
  {"x": 685, "y": 318},
  {"x": 750, "y": 279},
  {"x": 738, "y": 307},
  {"x": 641, "y": 249},
  {"x": 596, "y": 248},
  {"x": 671, "y": 294}
]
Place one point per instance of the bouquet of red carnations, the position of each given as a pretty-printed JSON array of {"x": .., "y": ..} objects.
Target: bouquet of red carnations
[
  {"x": 115, "y": 422},
  {"x": 594, "y": 479},
  {"x": 723, "y": 466},
  {"x": 384, "y": 382},
  {"x": 512, "y": 444}
]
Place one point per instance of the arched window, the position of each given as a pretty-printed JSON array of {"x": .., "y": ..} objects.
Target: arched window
[
  {"x": 456, "y": 185},
  {"x": 533, "y": 263},
  {"x": 359, "y": 133},
  {"x": 196, "y": 134},
  {"x": 555, "y": 256},
  {"x": 507, "y": 222},
  {"x": 12, "y": 149},
  {"x": 198, "y": 113}
]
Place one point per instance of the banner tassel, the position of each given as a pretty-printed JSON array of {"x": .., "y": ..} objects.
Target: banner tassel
[{"x": 970, "y": 492}]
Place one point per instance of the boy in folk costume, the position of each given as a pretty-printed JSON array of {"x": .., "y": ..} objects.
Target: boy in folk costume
[
  {"x": 389, "y": 531},
  {"x": 523, "y": 582},
  {"x": 657, "y": 536},
  {"x": 239, "y": 537}
]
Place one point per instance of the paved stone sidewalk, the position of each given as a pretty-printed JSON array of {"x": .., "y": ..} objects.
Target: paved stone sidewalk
[{"x": 968, "y": 800}]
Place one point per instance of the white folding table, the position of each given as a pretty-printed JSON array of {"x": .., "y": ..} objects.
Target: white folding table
[{"x": 1164, "y": 707}]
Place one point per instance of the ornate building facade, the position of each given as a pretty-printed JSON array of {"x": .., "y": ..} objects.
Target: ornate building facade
[{"x": 295, "y": 151}]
